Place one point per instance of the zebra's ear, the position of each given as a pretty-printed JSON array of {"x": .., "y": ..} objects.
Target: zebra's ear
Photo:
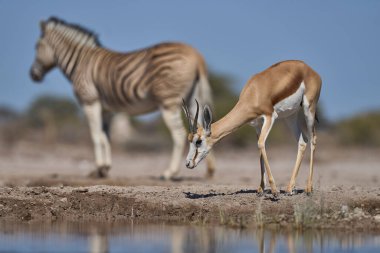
[
  {"x": 42, "y": 25},
  {"x": 207, "y": 119}
]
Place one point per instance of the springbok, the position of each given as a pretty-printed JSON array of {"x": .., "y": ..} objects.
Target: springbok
[
  {"x": 137, "y": 82},
  {"x": 277, "y": 92}
]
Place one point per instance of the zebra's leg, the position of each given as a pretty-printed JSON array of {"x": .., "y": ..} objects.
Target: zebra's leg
[
  {"x": 296, "y": 128},
  {"x": 99, "y": 138},
  {"x": 173, "y": 120},
  {"x": 121, "y": 129},
  {"x": 210, "y": 160}
]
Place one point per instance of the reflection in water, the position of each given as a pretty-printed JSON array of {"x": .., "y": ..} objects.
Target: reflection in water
[
  {"x": 109, "y": 238},
  {"x": 98, "y": 242}
]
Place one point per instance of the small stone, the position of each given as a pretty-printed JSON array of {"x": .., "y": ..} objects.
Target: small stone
[
  {"x": 344, "y": 210},
  {"x": 82, "y": 190},
  {"x": 64, "y": 200},
  {"x": 358, "y": 212},
  {"x": 377, "y": 217}
]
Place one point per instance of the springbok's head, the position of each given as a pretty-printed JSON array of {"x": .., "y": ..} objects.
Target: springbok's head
[
  {"x": 199, "y": 136},
  {"x": 45, "y": 58}
]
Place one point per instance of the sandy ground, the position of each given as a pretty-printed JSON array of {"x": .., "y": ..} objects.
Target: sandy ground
[{"x": 40, "y": 183}]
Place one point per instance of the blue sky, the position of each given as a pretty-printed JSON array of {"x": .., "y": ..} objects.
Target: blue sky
[{"x": 339, "y": 39}]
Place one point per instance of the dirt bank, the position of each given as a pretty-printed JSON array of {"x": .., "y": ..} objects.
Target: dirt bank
[{"x": 230, "y": 205}]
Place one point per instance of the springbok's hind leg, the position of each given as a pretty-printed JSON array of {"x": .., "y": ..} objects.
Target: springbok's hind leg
[
  {"x": 294, "y": 124},
  {"x": 173, "y": 121},
  {"x": 99, "y": 138},
  {"x": 310, "y": 122}
]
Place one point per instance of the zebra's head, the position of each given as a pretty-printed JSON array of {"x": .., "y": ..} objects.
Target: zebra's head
[
  {"x": 45, "y": 58},
  {"x": 199, "y": 136}
]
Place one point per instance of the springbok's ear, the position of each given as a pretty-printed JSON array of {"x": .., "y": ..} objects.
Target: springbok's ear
[
  {"x": 207, "y": 119},
  {"x": 42, "y": 25}
]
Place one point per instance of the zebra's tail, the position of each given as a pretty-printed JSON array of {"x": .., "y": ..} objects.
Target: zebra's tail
[{"x": 203, "y": 91}]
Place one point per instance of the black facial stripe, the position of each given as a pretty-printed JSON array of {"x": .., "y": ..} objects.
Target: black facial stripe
[{"x": 195, "y": 157}]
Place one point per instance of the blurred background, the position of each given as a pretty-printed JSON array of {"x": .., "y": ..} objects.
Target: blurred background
[{"x": 339, "y": 39}]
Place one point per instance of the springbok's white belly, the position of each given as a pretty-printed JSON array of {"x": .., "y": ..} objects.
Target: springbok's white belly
[{"x": 291, "y": 104}]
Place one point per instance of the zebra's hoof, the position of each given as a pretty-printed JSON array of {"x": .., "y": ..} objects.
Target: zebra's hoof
[
  {"x": 100, "y": 172},
  {"x": 166, "y": 178},
  {"x": 168, "y": 175},
  {"x": 209, "y": 174}
]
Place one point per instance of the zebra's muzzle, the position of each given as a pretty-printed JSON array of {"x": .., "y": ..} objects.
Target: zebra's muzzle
[{"x": 36, "y": 74}]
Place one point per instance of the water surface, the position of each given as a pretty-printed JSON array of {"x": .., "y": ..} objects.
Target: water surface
[{"x": 132, "y": 237}]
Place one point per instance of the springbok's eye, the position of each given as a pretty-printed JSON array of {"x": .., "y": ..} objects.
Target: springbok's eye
[{"x": 198, "y": 143}]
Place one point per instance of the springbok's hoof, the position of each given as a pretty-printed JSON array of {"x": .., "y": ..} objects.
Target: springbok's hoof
[
  {"x": 276, "y": 195},
  {"x": 309, "y": 191},
  {"x": 260, "y": 192},
  {"x": 291, "y": 192}
]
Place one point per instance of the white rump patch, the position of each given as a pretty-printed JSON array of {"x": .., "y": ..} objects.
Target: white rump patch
[{"x": 291, "y": 104}]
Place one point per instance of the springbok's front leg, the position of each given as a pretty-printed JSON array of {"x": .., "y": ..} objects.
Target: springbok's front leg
[
  {"x": 260, "y": 190},
  {"x": 173, "y": 120},
  {"x": 267, "y": 126},
  {"x": 102, "y": 147}
]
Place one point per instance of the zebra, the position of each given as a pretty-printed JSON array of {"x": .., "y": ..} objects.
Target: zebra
[{"x": 137, "y": 82}]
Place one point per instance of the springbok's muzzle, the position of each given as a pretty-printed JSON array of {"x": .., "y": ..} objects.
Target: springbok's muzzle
[{"x": 190, "y": 164}]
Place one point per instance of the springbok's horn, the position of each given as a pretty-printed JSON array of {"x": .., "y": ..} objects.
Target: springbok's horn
[
  {"x": 186, "y": 110},
  {"x": 195, "y": 123}
]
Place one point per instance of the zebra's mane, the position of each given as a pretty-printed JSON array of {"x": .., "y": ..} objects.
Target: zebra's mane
[{"x": 75, "y": 27}]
